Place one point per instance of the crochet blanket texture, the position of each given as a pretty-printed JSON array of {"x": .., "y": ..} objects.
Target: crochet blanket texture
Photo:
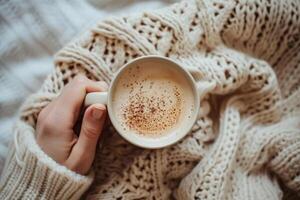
[{"x": 244, "y": 56}]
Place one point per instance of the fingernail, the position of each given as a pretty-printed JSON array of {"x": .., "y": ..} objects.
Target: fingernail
[
  {"x": 97, "y": 113},
  {"x": 103, "y": 85}
]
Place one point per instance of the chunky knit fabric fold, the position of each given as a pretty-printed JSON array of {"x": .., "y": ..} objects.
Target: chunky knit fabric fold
[{"x": 245, "y": 58}]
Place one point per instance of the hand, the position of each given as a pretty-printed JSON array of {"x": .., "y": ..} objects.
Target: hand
[{"x": 55, "y": 126}]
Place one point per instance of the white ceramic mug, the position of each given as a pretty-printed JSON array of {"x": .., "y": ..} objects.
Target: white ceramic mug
[{"x": 136, "y": 139}]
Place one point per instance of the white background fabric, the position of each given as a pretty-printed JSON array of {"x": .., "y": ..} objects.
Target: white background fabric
[{"x": 31, "y": 32}]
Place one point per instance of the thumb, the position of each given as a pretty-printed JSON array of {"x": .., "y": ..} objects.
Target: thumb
[{"x": 83, "y": 152}]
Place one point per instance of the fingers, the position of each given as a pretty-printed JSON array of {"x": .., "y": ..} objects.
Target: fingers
[
  {"x": 82, "y": 154},
  {"x": 91, "y": 128},
  {"x": 55, "y": 125},
  {"x": 74, "y": 93}
]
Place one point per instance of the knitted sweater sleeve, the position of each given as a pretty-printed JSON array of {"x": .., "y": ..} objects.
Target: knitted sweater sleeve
[
  {"x": 217, "y": 160},
  {"x": 30, "y": 174}
]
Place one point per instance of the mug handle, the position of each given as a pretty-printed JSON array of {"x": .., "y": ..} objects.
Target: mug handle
[{"x": 95, "y": 97}]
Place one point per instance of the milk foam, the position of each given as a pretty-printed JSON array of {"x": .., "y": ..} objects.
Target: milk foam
[{"x": 152, "y": 100}]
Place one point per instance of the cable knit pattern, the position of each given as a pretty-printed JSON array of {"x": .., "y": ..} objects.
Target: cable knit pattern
[{"x": 245, "y": 58}]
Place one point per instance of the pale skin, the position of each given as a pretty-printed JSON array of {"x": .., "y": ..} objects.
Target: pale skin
[{"x": 55, "y": 126}]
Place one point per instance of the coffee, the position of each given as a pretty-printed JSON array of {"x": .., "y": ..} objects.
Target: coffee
[{"x": 152, "y": 99}]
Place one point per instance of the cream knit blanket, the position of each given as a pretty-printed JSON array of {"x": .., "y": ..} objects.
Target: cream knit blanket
[{"x": 245, "y": 57}]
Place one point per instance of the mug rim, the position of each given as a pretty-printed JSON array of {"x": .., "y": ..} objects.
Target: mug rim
[{"x": 151, "y": 145}]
